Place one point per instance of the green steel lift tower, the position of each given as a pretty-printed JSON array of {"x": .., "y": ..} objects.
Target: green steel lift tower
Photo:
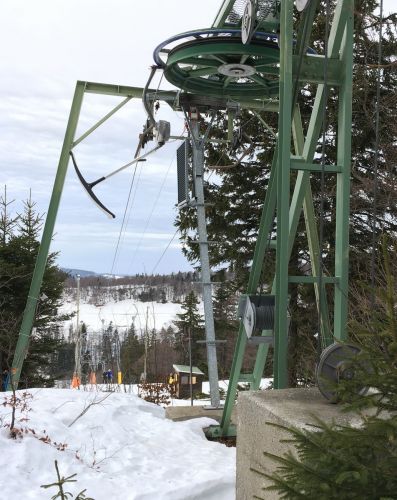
[{"x": 252, "y": 58}]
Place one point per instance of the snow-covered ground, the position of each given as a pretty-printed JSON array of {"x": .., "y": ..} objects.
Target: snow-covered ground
[
  {"x": 122, "y": 448},
  {"x": 122, "y": 314}
]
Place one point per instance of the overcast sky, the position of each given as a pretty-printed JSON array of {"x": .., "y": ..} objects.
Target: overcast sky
[{"x": 46, "y": 45}]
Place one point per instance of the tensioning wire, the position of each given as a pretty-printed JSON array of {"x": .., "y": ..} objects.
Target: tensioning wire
[
  {"x": 151, "y": 212},
  {"x": 124, "y": 218},
  {"x": 136, "y": 184},
  {"x": 376, "y": 158},
  {"x": 321, "y": 344},
  {"x": 164, "y": 252}
]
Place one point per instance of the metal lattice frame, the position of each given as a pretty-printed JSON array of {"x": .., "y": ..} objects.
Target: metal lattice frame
[{"x": 340, "y": 47}]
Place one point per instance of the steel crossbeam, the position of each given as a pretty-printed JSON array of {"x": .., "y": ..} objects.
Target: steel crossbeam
[{"x": 70, "y": 141}]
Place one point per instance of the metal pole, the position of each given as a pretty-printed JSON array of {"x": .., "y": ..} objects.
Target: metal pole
[
  {"x": 190, "y": 365},
  {"x": 33, "y": 296},
  {"x": 146, "y": 346},
  {"x": 77, "y": 350},
  {"x": 198, "y": 175}
]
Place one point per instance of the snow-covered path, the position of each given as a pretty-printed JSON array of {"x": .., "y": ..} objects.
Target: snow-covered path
[{"x": 123, "y": 448}]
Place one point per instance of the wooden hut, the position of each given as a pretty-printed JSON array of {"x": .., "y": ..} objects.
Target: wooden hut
[{"x": 181, "y": 379}]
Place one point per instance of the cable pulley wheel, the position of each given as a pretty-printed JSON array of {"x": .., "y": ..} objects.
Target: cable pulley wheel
[
  {"x": 248, "y": 21},
  {"x": 337, "y": 363},
  {"x": 222, "y": 66},
  {"x": 301, "y": 4}
]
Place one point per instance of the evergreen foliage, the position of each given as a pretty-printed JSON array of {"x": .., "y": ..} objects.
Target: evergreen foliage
[
  {"x": 226, "y": 325},
  {"x": 18, "y": 252},
  {"x": 60, "y": 484},
  {"x": 190, "y": 324},
  {"x": 349, "y": 462},
  {"x": 132, "y": 350}
]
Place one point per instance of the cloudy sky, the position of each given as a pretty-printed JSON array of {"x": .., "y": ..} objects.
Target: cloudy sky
[{"x": 46, "y": 45}]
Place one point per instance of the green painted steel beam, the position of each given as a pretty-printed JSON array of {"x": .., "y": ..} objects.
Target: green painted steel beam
[
  {"x": 337, "y": 75},
  {"x": 223, "y": 12},
  {"x": 283, "y": 196},
  {"x": 343, "y": 178},
  {"x": 33, "y": 296},
  {"x": 238, "y": 358},
  {"x": 300, "y": 164},
  {"x": 69, "y": 142},
  {"x": 214, "y": 431},
  {"x": 101, "y": 121},
  {"x": 313, "y": 279},
  {"x": 265, "y": 124},
  {"x": 266, "y": 222},
  {"x": 172, "y": 97}
]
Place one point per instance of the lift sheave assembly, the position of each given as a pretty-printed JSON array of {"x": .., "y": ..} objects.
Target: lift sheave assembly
[{"x": 251, "y": 58}]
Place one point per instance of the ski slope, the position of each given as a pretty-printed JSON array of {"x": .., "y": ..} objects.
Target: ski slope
[{"x": 122, "y": 314}]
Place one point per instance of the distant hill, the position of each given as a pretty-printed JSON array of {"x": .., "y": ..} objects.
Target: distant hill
[{"x": 74, "y": 272}]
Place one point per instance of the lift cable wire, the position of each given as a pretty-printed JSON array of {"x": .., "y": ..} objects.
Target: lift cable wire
[
  {"x": 132, "y": 202},
  {"x": 321, "y": 341},
  {"x": 379, "y": 66},
  {"x": 124, "y": 219},
  {"x": 376, "y": 158},
  {"x": 134, "y": 194},
  {"x": 129, "y": 206},
  {"x": 164, "y": 252},
  {"x": 151, "y": 212}
]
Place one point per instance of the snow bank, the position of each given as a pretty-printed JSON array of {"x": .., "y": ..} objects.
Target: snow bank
[{"x": 123, "y": 448}]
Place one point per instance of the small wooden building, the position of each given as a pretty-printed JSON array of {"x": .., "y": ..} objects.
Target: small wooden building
[{"x": 181, "y": 379}]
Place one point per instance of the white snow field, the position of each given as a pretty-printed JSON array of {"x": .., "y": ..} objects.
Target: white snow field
[
  {"x": 121, "y": 449},
  {"x": 123, "y": 313}
]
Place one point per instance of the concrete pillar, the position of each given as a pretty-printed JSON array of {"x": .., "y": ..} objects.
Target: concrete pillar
[{"x": 289, "y": 407}]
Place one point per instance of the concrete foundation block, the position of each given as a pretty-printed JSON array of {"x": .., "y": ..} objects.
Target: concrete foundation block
[{"x": 288, "y": 407}]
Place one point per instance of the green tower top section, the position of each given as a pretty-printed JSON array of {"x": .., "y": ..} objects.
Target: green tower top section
[
  {"x": 232, "y": 13},
  {"x": 237, "y": 58}
]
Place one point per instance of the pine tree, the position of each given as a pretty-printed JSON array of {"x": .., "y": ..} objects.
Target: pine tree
[
  {"x": 349, "y": 462},
  {"x": 7, "y": 221},
  {"x": 132, "y": 350},
  {"x": 18, "y": 253},
  {"x": 190, "y": 324},
  {"x": 226, "y": 324}
]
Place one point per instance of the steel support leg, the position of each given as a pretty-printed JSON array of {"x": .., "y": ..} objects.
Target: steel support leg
[
  {"x": 283, "y": 196},
  {"x": 198, "y": 173},
  {"x": 343, "y": 179},
  {"x": 33, "y": 297}
]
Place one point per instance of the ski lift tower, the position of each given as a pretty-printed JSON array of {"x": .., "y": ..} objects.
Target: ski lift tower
[{"x": 253, "y": 58}]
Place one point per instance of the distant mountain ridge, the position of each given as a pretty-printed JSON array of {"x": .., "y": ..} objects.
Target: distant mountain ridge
[{"x": 74, "y": 272}]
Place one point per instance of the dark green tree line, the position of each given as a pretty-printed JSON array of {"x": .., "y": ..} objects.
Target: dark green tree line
[{"x": 18, "y": 252}]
